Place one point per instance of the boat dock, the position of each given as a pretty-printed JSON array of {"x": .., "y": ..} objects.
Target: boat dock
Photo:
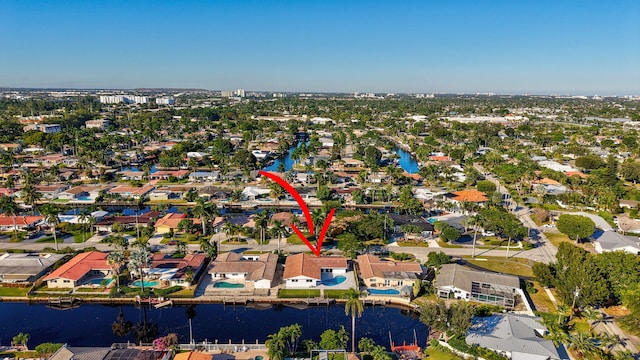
[
  {"x": 63, "y": 303},
  {"x": 318, "y": 301}
]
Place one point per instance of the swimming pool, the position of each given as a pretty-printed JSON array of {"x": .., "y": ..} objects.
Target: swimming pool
[
  {"x": 146, "y": 283},
  {"x": 383, "y": 291},
  {"x": 334, "y": 281},
  {"x": 227, "y": 285},
  {"x": 99, "y": 281}
]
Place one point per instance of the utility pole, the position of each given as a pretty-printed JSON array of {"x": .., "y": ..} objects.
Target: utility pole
[{"x": 576, "y": 293}]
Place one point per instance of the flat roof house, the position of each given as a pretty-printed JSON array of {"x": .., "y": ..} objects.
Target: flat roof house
[{"x": 25, "y": 268}]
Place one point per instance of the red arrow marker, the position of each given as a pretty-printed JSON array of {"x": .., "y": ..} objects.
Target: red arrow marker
[
  {"x": 305, "y": 211},
  {"x": 323, "y": 232}
]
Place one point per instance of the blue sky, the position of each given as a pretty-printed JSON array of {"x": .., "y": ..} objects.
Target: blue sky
[{"x": 514, "y": 46}]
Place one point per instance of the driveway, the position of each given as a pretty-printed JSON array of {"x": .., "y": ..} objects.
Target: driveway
[{"x": 599, "y": 221}]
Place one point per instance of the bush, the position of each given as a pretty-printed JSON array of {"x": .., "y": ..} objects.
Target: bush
[
  {"x": 459, "y": 344},
  {"x": 48, "y": 348},
  {"x": 163, "y": 292}
]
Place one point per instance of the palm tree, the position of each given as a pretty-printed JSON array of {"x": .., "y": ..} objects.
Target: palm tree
[
  {"x": 84, "y": 217},
  {"x": 278, "y": 231},
  {"x": 592, "y": 316},
  {"x": 204, "y": 211},
  {"x": 9, "y": 207},
  {"x": 21, "y": 339},
  {"x": 138, "y": 260},
  {"x": 262, "y": 220},
  {"x": 583, "y": 344},
  {"x": 116, "y": 259},
  {"x": 354, "y": 308},
  {"x": 51, "y": 213}
]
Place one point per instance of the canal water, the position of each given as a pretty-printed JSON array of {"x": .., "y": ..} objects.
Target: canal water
[
  {"x": 406, "y": 161},
  {"x": 91, "y": 324}
]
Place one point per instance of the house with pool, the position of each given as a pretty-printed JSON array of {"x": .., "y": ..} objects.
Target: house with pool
[
  {"x": 306, "y": 271},
  {"x": 165, "y": 270},
  {"x": 85, "y": 269},
  {"x": 248, "y": 272},
  {"x": 388, "y": 277},
  {"x": 460, "y": 282}
]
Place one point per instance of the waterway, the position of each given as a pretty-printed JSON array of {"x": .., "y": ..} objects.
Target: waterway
[
  {"x": 286, "y": 160},
  {"x": 406, "y": 161},
  {"x": 91, "y": 324}
]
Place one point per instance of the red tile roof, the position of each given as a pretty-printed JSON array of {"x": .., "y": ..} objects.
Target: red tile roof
[
  {"x": 470, "y": 195},
  {"x": 310, "y": 265},
  {"x": 21, "y": 221},
  {"x": 81, "y": 264}
]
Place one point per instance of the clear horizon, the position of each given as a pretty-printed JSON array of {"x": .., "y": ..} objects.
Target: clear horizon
[{"x": 462, "y": 47}]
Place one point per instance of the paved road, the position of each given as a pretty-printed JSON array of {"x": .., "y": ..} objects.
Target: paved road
[
  {"x": 626, "y": 341},
  {"x": 546, "y": 252}
]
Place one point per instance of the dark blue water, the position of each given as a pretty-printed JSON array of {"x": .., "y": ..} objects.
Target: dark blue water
[
  {"x": 90, "y": 324},
  {"x": 286, "y": 160},
  {"x": 407, "y": 162}
]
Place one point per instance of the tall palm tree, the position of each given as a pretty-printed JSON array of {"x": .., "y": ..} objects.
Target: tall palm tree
[
  {"x": 84, "y": 217},
  {"x": 138, "y": 260},
  {"x": 9, "y": 207},
  {"x": 278, "y": 230},
  {"x": 354, "y": 308},
  {"x": 204, "y": 211},
  {"x": 262, "y": 221},
  {"x": 116, "y": 259},
  {"x": 50, "y": 214}
]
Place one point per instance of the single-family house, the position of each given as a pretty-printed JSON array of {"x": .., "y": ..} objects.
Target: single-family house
[
  {"x": 253, "y": 193},
  {"x": 378, "y": 273},
  {"x": 170, "y": 271},
  {"x": 128, "y": 221},
  {"x": 21, "y": 222},
  {"x": 257, "y": 272},
  {"x": 459, "y": 282},
  {"x": 127, "y": 191},
  {"x": 84, "y": 268},
  {"x": 203, "y": 176},
  {"x": 25, "y": 268},
  {"x": 170, "y": 222},
  {"x": 517, "y": 336},
  {"x": 50, "y": 192},
  {"x": 469, "y": 195},
  {"x": 308, "y": 271},
  {"x": 605, "y": 241},
  {"x": 414, "y": 220}
]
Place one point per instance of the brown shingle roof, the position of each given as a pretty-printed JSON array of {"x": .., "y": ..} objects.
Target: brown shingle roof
[{"x": 372, "y": 266}]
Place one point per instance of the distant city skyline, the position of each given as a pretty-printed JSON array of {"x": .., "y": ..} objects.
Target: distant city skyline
[{"x": 504, "y": 47}]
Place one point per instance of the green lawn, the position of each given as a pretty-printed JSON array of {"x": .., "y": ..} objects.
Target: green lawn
[
  {"x": 514, "y": 266},
  {"x": 310, "y": 293},
  {"x": 298, "y": 293},
  {"x": 19, "y": 354},
  {"x": 556, "y": 238},
  {"x": 541, "y": 300},
  {"x": 5, "y": 291},
  {"x": 294, "y": 239},
  {"x": 447, "y": 245},
  {"x": 413, "y": 243},
  {"x": 437, "y": 354}
]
